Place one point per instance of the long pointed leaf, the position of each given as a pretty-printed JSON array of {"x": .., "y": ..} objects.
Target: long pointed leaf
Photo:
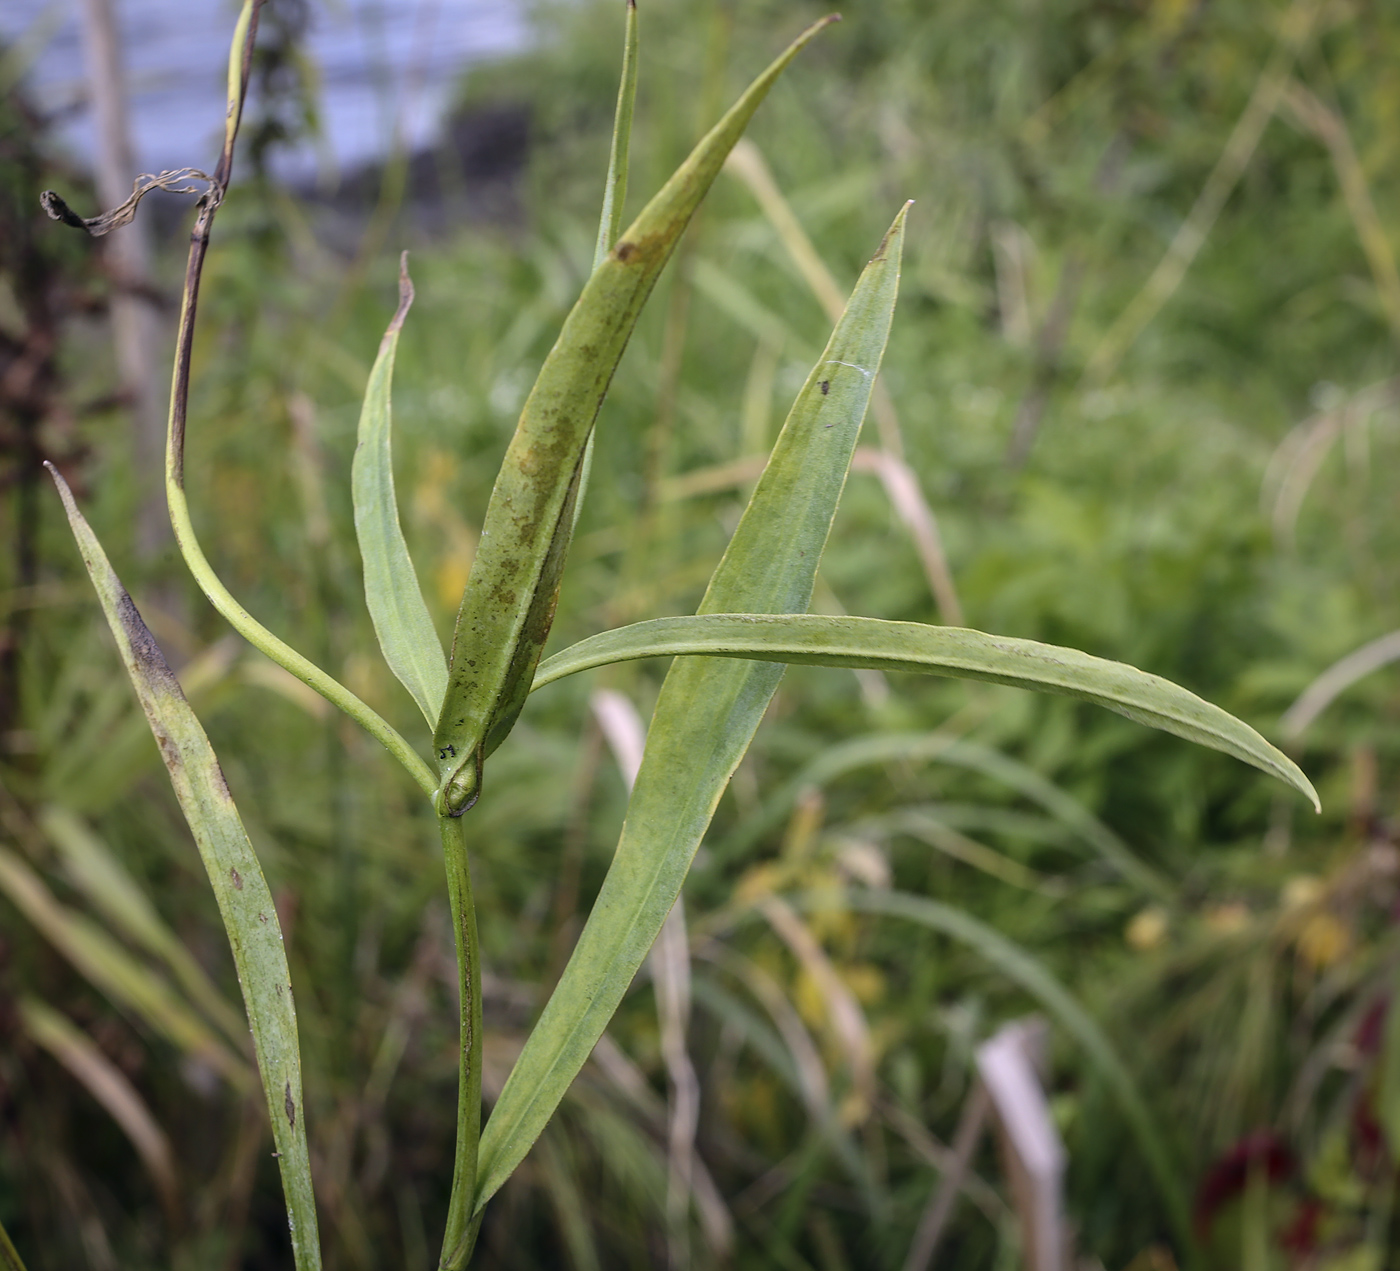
[
  {"x": 706, "y": 716},
  {"x": 614, "y": 199},
  {"x": 909, "y": 646},
  {"x": 245, "y": 903},
  {"x": 396, "y": 605},
  {"x": 615, "y": 186},
  {"x": 508, "y": 604}
]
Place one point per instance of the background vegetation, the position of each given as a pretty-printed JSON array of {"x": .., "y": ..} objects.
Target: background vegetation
[{"x": 1202, "y": 485}]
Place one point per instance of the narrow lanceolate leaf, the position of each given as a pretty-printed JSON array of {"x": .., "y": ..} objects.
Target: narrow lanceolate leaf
[
  {"x": 245, "y": 903},
  {"x": 615, "y": 187},
  {"x": 705, "y": 717},
  {"x": 614, "y": 198},
  {"x": 909, "y": 646},
  {"x": 396, "y": 605},
  {"x": 508, "y": 604}
]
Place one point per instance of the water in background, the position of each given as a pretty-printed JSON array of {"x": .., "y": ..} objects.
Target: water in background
[{"x": 385, "y": 66}]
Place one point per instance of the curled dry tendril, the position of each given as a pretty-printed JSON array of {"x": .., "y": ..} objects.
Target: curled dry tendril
[{"x": 173, "y": 182}]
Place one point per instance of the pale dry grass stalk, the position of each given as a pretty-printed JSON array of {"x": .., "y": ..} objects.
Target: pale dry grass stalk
[{"x": 1329, "y": 126}]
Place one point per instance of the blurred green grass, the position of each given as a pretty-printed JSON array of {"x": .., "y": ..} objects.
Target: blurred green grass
[{"x": 1053, "y": 152}]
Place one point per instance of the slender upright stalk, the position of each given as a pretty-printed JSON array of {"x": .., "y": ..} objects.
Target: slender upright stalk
[
  {"x": 240, "y": 62},
  {"x": 461, "y": 1231}
]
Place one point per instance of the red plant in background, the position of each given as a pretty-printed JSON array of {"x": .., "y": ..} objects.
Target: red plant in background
[{"x": 1261, "y": 1151}]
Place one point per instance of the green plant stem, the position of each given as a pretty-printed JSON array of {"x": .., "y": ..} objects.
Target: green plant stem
[
  {"x": 282, "y": 653},
  {"x": 240, "y": 61},
  {"x": 461, "y": 1231},
  {"x": 209, "y": 582}
]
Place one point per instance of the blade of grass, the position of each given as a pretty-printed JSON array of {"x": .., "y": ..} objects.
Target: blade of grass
[
  {"x": 102, "y": 1079},
  {"x": 108, "y": 886},
  {"x": 706, "y": 716},
  {"x": 396, "y": 606},
  {"x": 560, "y": 1182},
  {"x": 749, "y": 165},
  {"x": 509, "y": 600},
  {"x": 909, "y": 646},
  {"x": 944, "y": 838},
  {"x": 907, "y": 498},
  {"x": 245, "y": 903},
  {"x": 843, "y": 1009},
  {"x": 1295, "y": 28},
  {"x": 804, "y": 1063},
  {"x": 1330, "y": 125},
  {"x": 881, "y": 748},
  {"x": 1335, "y": 681},
  {"x": 1025, "y": 970},
  {"x": 130, "y": 984}
]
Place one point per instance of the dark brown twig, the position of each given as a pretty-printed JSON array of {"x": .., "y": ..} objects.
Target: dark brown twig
[{"x": 194, "y": 267}]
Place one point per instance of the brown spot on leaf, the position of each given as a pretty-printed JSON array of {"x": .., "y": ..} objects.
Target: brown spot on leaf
[
  {"x": 220, "y": 784},
  {"x": 237, "y": 879},
  {"x": 625, "y": 250},
  {"x": 826, "y": 387},
  {"x": 144, "y": 649},
  {"x": 290, "y": 1104}
]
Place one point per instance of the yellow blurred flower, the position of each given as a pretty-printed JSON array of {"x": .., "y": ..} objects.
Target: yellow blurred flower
[{"x": 1147, "y": 929}]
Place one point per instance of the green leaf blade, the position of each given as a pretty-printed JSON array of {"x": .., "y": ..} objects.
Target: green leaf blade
[
  {"x": 614, "y": 199},
  {"x": 245, "y": 902},
  {"x": 508, "y": 605},
  {"x": 705, "y": 718},
  {"x": 953, "y": 651},
  {"x": 396, "y": 606},
  {"x": 615, "y": 185}
]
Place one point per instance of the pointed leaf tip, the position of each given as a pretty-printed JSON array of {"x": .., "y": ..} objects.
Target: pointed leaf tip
[
  {"x": 895, "y": 230},
  {"x": 406, "y": 295},
  {"x": 400, "y": 615},
  {"x": 508, "y": 605},
  {"x": 704, "y": 720}
]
